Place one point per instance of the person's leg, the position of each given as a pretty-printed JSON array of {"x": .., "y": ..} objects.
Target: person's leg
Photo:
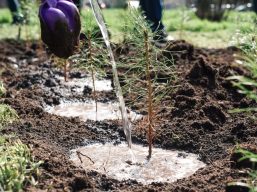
[
  {"x": 255, "y": 6},
  {"x": 13, "y": 5},
  {"x": 153, "y": 12},
  {"x": 14, "y": 8}
]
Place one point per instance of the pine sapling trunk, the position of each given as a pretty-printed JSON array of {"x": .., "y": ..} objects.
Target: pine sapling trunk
[
  {"x": 94, "y": 89},
  {"x": 90, "y": 57},
  {"x": 19, "y": 33},
  {"x": 150, "y": 91},
  {"x": 26, "y": 35}
]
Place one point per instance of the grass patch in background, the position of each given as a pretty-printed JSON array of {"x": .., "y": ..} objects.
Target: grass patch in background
[
  {"x": 5, "y": 16},
  {"x": 199, "y": 32},
  {"x": 234, "y": 20},
  {"x": 203, "y": 33}
]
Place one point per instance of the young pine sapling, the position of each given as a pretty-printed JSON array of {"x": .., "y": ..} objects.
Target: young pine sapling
[
  {"x": 147, "y": 73},
  {"x": 92, "y": 56},
  {"x": 247, "y": 43},
  {"x": 247, "y": 85}
]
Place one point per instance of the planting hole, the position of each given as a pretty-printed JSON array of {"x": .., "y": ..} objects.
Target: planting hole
[
  {"x": 121, "y": 163},
  {"x": 87, "y": 111}
]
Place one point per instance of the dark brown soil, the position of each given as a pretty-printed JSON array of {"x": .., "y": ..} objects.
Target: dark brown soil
[{"x": 196, "y": 119}]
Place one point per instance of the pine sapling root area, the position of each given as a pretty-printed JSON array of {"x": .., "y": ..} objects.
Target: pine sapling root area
[{"x": 196, "y": 119}]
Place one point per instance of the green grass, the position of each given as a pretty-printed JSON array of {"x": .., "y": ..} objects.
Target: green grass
[
  {"x": 191, "y": 23},
  {"x": 204, "y": 33},
  {"x": 246, "y": 40},
  {"x": 5, "y": 16},
  {"x": 7, "y": 115},
  {"x": 2, "y": 89},
  {"x": 17, "y": 167},
  {"x": 252, "y": 157},
  {"x": 179, "y": 23}
]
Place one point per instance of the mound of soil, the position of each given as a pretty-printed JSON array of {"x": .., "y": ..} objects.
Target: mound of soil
[{"x": 196, "y": 118}]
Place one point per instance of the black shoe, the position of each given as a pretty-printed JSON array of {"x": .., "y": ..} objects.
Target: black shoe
[
  {"x": 160, "y": 38},
  {"x": 17, "y": 19}
]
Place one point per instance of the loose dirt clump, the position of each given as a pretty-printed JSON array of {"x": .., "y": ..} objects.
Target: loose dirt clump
[
  {"x": 202, "y": 74},
  {"x": 195, "y": 119}
]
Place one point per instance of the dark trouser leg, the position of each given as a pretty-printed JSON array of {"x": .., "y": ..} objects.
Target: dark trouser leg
[
  {"x": 153, "y": 12},
  {"x": 255, "y": 6},
  {"x": 14, "y": 8},
  {"x": 13, "y": 5}
]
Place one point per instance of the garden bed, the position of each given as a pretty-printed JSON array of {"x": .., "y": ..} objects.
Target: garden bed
[{"x": 196, "y": 119}]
